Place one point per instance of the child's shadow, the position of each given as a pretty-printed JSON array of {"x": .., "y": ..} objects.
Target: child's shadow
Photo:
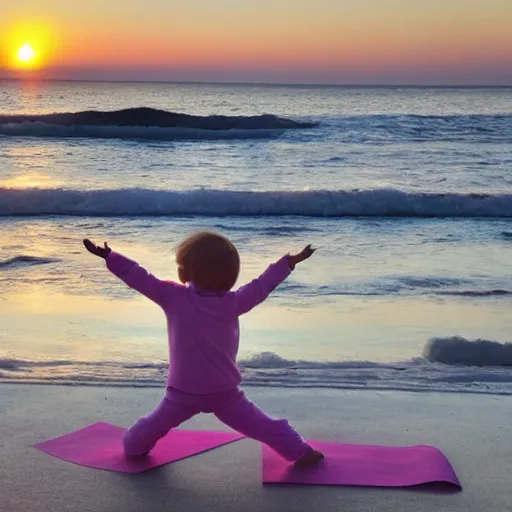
[
  {"x": 435, "y": 488},
  {"x": 150, "y": 479},
  {"x": 161, "y": 488},
  {"x": 150, "y": 487}
]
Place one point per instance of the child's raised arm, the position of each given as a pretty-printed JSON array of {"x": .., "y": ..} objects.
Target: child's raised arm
[
  {"x": 131, "y": 273},
  {"x": 255, "y": 292}
]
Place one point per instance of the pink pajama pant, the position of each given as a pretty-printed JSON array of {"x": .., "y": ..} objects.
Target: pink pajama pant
[{"x": 231, "y": 407}]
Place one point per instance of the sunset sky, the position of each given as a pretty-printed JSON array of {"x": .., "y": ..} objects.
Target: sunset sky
[{"x": 440, "y": 42}]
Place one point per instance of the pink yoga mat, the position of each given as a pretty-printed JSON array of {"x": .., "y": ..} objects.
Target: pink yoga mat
[
  {"x": 100, "y": 446},
  {"x": 362, "y": 465}
]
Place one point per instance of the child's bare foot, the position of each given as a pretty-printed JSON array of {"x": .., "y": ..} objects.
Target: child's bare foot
[{"x": 311, "y": 458}]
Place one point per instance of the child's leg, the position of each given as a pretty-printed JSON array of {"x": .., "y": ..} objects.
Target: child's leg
[
  {"x": 141, "y": 437},
  {"x": 245, "y": 417}
]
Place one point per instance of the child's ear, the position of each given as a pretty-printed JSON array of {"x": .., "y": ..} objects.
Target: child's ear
[{"x": 183, "y": 275}]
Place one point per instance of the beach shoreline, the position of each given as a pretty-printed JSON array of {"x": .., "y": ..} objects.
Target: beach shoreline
[
  {"x": 472, "y": 430},
  {"x": 273, "y": 385}
]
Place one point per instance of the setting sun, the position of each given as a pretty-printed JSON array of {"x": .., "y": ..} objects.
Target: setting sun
[
  {"x": 26, "y": 54},
  {"x": 28, "y": 46}
]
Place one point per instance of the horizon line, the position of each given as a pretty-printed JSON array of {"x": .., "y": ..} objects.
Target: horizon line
[{"x": 252, "y": 83}]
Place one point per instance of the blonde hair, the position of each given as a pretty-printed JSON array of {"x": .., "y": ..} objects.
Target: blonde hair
[{"x": 208, "y": 260}]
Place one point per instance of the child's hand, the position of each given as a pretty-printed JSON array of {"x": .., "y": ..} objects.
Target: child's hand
[
  {"x": 303, "y": 255},
  {"x": 102, "y": 252}
]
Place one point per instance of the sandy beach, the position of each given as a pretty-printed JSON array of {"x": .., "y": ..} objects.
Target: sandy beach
[{"x": 473, "y": 431}]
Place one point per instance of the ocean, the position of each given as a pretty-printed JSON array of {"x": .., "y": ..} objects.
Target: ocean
[{"x": 406, "y": 192}]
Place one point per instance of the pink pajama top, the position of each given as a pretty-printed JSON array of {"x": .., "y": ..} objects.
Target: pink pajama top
[{"x": 203, "y": 328}]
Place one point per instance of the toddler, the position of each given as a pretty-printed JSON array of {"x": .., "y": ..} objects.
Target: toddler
[{"x": 203, "y": 330}]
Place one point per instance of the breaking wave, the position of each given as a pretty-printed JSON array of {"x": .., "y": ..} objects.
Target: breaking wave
[
  {"x": 459, "y": 351},
  {"x": 146, "y": 123},
  {"x": 22, "y": 261},
  {"x": 219, "y": 203},
  {"x": 476, "y": 293},
  {"x": 451, "y": 364},
  {"x": 153, "y": 124}
]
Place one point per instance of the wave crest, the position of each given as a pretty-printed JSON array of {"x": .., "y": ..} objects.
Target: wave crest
[
  {"x": 220, "y": 203},
  {"x": 456, "y": 350},
  {"x": 22, "y": 260},
  {"x": 146, "y": 123}
]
